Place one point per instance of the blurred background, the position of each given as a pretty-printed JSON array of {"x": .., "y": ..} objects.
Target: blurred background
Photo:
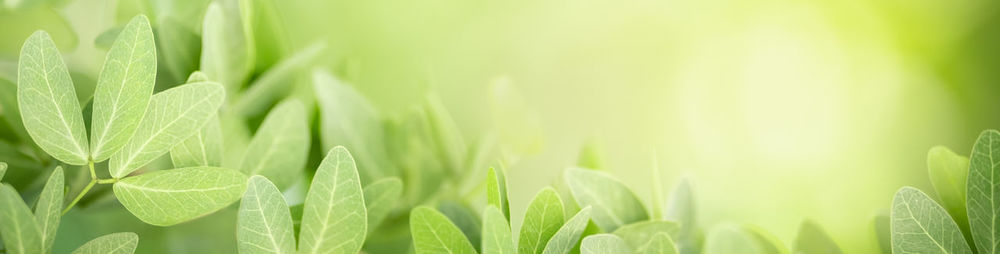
[{"x": 779, "y": 110}]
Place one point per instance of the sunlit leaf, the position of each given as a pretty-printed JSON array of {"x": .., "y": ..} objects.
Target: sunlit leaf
[
  {"x": 563, "y": 241},
  {"x": 920, "y": 225},
  {"x": 604, "y": 244},
  {"x": 496, "y": 191},
  {"x": 20, "y": 233},
  {"x": 264, "y": 224},
  {"x": 168, "y": 197},
  {"x": 982, "y": 202},
  {"x": 117, "y": 243},
  {"x": 280, "y": 147},
  {"x": 542, "y": 219},
  {"x": 433, "y": 233},
  {"x": 614, "y": 203},
  {"x": 225, "y": 49},
  {"x": 380, "y": 198},
  {"x": 497, "y": 238},
  {"x": 48, "y": 210},
  {"x": 640, "y": 234},
  {"x": 726, "y": 239},
  {"x": 464, "y": 218},
  {"x": 334, "y": 216},
  {"x": 204, "y": 148}
]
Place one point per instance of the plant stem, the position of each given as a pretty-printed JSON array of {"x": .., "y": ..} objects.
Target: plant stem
[{"x": 80, "y": 196}]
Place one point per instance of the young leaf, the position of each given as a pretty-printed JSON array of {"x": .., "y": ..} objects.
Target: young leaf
[
  {"x": 614, "y": 203},
  {"x": 202, "y": 149},
  {"x": 496, "y": 191},
  {"x": 727, "y": 239},
  {"x": 681, "y": 208},
  {"x": 172, "y": 116},
  {"x": 117, "y": 243},
  {"x": 812, "y": 239},
  {"x": 566, "y": 238},
  {"x": 920, "y": 225},
  {"x": 604, "y": 244},
  {"x": 380, "y": 198},
  {"x": 224, "y": 54},
  {"x": 49, "y": 208},
  {"x": 334, "y": 219},
  {"x": 641, "y": 233},
  {"x": 433, "y": 233},
  {"x": 542, "y": 219},
  {"x": 168, "y": 197},
  {"x": 281, "y": 146},
  {"x": 983, "y": 201},
  {"x": 18, "y": 229},
  {"x": 264, "y": 224},
  {"x": 882, "y": 232},
  {"x": 123, "y": 89},
  {"x": 497, "y": 238},
  {"x": 47, "y": 101}
]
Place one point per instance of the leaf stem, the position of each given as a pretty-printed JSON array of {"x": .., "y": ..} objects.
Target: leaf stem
[{"x": 80, "y": 196}]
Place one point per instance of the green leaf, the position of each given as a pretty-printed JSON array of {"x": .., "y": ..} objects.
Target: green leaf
[
  {"x": 433, "y": 233},
  {"x": 48, "y": 102},
  {"x": 604, "y": 244},
  {"x": 179, "y": 48},
  {"x": 496, "y": 191},
  {"x": 347, "y": 118},
  {"x": 659, "y": 244},
  {"x": 769, "y": 244},
  {"x": 947, "y": 172},
  {"x": 542, "y": 219},
  {"x": 274, "y": 84},
  {"x": 18, "y": 228},
  {"x": 9, "y": 109},
  {"x": 334, "y": 219},
  {"x": 124, "y": 89},
  {"x": 727, "y": 239},
  {"x": 264, "y": 224},
  {"x": 49, "y": 208},
  {"x": 21, "y": 23},
  {"x": 3, "y": 169},
  {"x": 566, "y": 238},
  {"x": 225, "y": 49},
  {"x": 983, "y": 201},
  {"x": 682, "y": 209},
  {"x": 465, "y": 219},
  {"x": 107, "y": 38},
  {"x": 882, "y": 232},
  {"x": 117, "y": 243},
  {"x": 614, "y": 204},
  {"x": 813, "y": 239},
  {"x": 204, "y": 148},
  {"x": 281, "y": 146},
  {"x": 640, "y": 234},
  {"x": 172, "y": 116},
  {"x": 920, "y": 225},
  {"x": 380, "y": 198},
  {"x": 497, "y": 238},
  {"x": 168, "y": 197}
]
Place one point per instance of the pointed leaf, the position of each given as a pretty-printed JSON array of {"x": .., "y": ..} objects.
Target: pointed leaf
[
  {"x": 49, "y": 208},
  {"x": 47, "y": 101},
  {"x": 727, "y": 239},
  {"x": 920, "y": 225},
  {"x": 204, "y": 148},
  {"x": 18, "y": 229},
  {"x": 614, "y": 204},
  {"x": 434, "y": 233},
  {"x": 496, "y": 191},
  {"x": 117, "y": 243},
  {"x": 172, "y": 116},
  {"x": 542, "y": 219},
  {"x": 281, "y": 146},
  {"x": 123, "y": 89},
  {"x": 264, "y": 224},
  {"x": 604, "y": 244},
  {"x": 497, "y": 238},
  {"x": 334, "y": 216},
  {"x": 983, "y": 190},
  {"x": 569, "y": 234},
  {"x": 168, "y": 197},
  {"x": 768, "y": 243},
  {"x": 682, "y": 209},
  {"x": 465, "y": 219},
  {"x": 224, "y": 51},
  {"x": 380, "y": 198}
]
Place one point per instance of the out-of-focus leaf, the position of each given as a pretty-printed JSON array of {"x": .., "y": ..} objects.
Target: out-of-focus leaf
[
  {"x": 179, "y": 48},
  {"x": 614, "y": 204},
  {"x": 168, "y": 197},
  {"x": 497, "y": 238},
  {"x": 947, "y": 172},
  {"x": 465, "y": 219},
  {"x": 542, "y": 219},
  {"x": 920, "y": 225},
  {"x": 107, "y": 38},
  {"x": 813, "y": 239},
  {"x": 117, "y": 243},
  {"x": 20, "y": 233},
  {"x": 682, "y": 209},
  {"x": 519, "y": 127},
  {"x": 225, "y": 48},
  {"x": 49, "y": 208},
  {"x": 727, "y": 239},
  {"x": 882, "y": 231},
  {"x": 450, "y": 146},
  {"x": 22, "y": 23},
  {"x": 380, "y": 198},
  {"x": 264, "y": 224},
  {"x": 591, "y": 155},
  {"x": 640, "y": 234},
  {"x": 281, "y": 146},
  {"x": 604, "y": 244},
  {"x": 334, "y": 216},
  {"x": 433, "y": 233},
  {"x": 768, "y": 243},
  {"x": 3, "y": 169},
  {"x": 273, "y": 85},
  {"x": 9, "y": 110},
  {"x": 563, "y": 241}
]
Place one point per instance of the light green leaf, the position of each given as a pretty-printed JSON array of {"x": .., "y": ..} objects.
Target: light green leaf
[
  {"x": 641, "y": 233},
  {"x": 569, "y": 234},
  {"x": 274, "y": 84},
  {"x": 497, "y": 238},
  {"x": 542, "y": 219},
  {"x": 264, "y": 224},
  {"x": 614, "y": 204},
  {"x": 813, "y": 239},
  {"x": 172, "y": 116},
  {"x": 168, "y": 197},
  {"x": 465, "y": 219},
  {"x": 49, "y": 208},
  {"x": 983, "y": 190},
  {"x": 768, "y": 243},
  {"x": 204, "y": 148},
  {"x": 447, "y": 138},
  {"x": 682, "y": 209},
  {"x": 179, "y": 48},
  {"x": 225, "y": 49},
  {"x": 726, "y": 239},
  {"x": 496, "y": 191},
  {"x": 920, "y": 225},
  {"x": 281, "y": 146},
  {"x": 882, "y": 231},
  {"x": 947, "y": 172},
  {"x": 117, "y": 243},
  {"x": 658, "y": 244},
  {"x": 196, "y": 77},
  {"x": 604, "y": 244},
  {"x": 18, "y": 229},
  {"x": 107, "y": 38},
  {"x": 123, "y": 89},
  {"x": 3, "y": 169},
  {"x": 21, "y": 23},
  {"x": 334, "y": 219},
  {"x": 380, "y": 198},
  {"x": 48, "y": 103},
  {"x": 433, "y": 233},
  {"x": 346, "y": 118}
]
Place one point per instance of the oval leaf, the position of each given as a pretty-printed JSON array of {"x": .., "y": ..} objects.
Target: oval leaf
[
  {"x": 496, "y": 191},
  {"x": 334, "y": 216},
  {"x": 18, "y": 229},
  {"x": 47, "y": 101},
  {"x": 264, "y": 224},
  {"x": 117, "y": 243},
  {"x": 380, "y": 198},
  {"x": 204, "y": 148},
  {"x": 542, "y": 219},
  {"x": 434, "y": 233},
  {"x": 681, "y": 208},
  {"x": 172, "y": 116},
  {"x": 604, "y": 244},
  {"x": 49, "y": 208},
  {"x": 920, "y": 225},
  {"x": 983, "y": 200},
  {"x": 168, "y": 197},
  {"x": 569, "y": 234},
  {"x": 464, "y": 218},
  {"x": 224, "y": 52},
  {"x": 497, "y": 237},
  {"x": 123, "y": 89},
  {"x": 614, "y": 204},
  {"x": 281, "y": 146}
]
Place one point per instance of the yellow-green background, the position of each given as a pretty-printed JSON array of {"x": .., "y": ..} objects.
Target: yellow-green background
[{"x": 780, "y": 110}]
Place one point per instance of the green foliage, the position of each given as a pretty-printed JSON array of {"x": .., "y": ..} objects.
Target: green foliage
[
  {"x": 496, "y": 191},
  {"x": 434, "y": 233},
  {"x": 812, "y": 239},
  {"x": 20, "y": 232},
  {"x": 562, "y": 241},
  {"x": 380, "y": 198},
  {"x": 265, "y": 224},
  {"x": 604, "y": 244},
  {"x": 334, "y": 217},
  {"x": 497, "y": 237},
  {"x": 117, "y": 243},
  {"x": 983, "y": 183},
  {"x": 639, "y": 236},
  {"x": 920, "y": 225},
  {"x": 614, "y": 204},
  {"x": 280, "y": 147},
  {"x": 168, "y": 197},
  {"x": 48, "y": 210},
  {"x": 542, "y": 220}
]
